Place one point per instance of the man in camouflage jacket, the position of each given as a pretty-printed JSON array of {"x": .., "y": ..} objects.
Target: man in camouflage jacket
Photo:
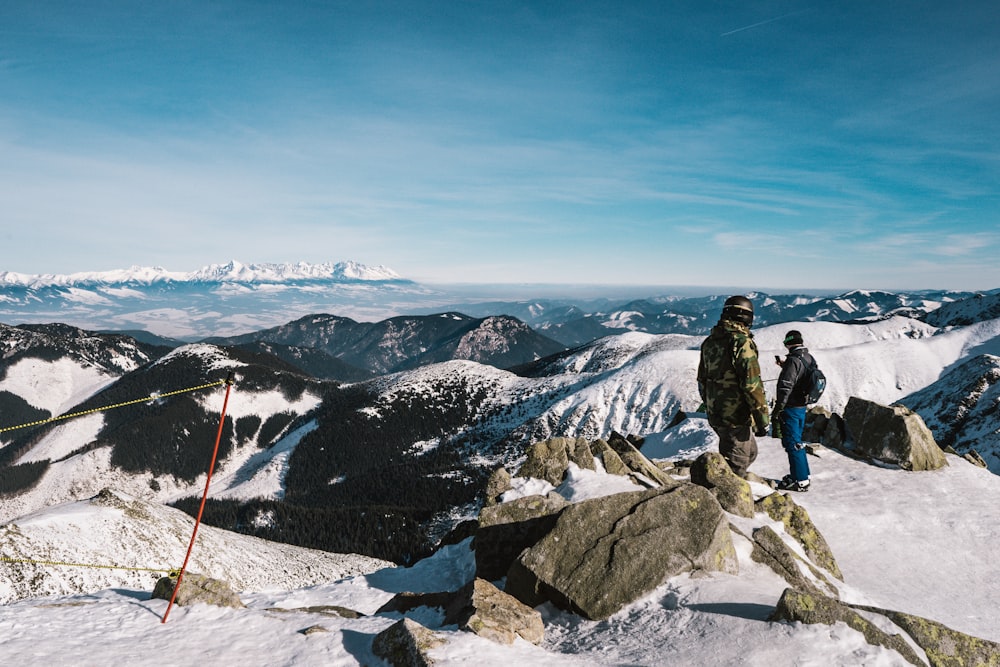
[{"x": 730, "y": 385}]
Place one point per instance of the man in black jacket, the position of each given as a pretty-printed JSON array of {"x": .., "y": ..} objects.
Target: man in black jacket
[{"x": 790, "y": 410}]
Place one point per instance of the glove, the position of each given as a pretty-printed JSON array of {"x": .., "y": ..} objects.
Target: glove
[
  {"x": 760, "y": 428},
  {"x": 776, "y": 423}
]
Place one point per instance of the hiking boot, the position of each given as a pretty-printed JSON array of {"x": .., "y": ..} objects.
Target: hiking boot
[{"x": 789, "y": 484}]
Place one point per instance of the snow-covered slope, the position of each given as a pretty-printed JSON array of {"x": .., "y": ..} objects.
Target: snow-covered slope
[
  {"x": 81, "y": 458},
  {"x": 900, "y": 538},
  {"x": 146, "y": 540}
]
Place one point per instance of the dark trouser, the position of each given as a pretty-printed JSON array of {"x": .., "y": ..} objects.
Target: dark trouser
[
  {"x": 738, "y": 447},
  {"x": 793, "y": 420}
]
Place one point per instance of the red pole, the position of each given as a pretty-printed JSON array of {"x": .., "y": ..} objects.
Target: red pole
[{"x": 204, "y": 497}]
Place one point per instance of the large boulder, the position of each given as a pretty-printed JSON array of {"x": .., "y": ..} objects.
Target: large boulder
[
  {"x": 505, "y": 530},
  {"x": 605, "y": 553},
  {"x": 892, "y": 434},
  {"x": 482, "y": 608},
  {"x": 197, "y": 588},
  {"x": 547, "y": 459},
  {"x": 406, "y": 644},
  {"x": 711, "y": 471}
]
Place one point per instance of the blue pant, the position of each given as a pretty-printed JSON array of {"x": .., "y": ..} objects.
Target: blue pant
[{"x": 793, "y": 420}]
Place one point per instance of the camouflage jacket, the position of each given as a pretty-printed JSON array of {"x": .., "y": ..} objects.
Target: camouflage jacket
[{"x": 729, "y": 378}]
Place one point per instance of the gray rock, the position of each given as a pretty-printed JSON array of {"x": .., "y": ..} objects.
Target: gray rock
[
  {"x": 825, "y": 427},
  {"x": 973, "y": 457},
  {"x": 612, "y": 463},
  {"x": 484, "y": 609},
  {"x": 637, "y": 461},
  {"x": 405, "y": 644},
  {"x": 892, "y": 434},
  {"x": 497, "y": 485},
  {"x": 547, "y": 459},
  {"x": 579, "y": 453},
  {"x": 814, "y": 608},
  {"x": 605, "y": 553},
  {"x": 795, "y": 518},
  {"x": 771, "y": 550},
  {"x": 944, "y": 647},
  {"x": 197, "y": 588},
  {"x": 507, "y": 529},
  {"x": 407, "y": 601},
  {"x": 711, "y": 471}
]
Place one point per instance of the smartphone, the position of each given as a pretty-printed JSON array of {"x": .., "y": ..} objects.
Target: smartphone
[{"x": 777, "y": 358}]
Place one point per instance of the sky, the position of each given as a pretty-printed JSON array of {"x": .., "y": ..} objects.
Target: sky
[{"x": 777, "y": 144}]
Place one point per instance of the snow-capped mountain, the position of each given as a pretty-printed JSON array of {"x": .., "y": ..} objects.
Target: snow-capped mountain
[
  {"x": 217, "y": 300},
  {"x": 231, "y": 272}
]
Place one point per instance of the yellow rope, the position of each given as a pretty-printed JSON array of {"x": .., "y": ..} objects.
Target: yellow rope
[
  {"x": 169, "y": 570},
  {"x": 151, "y": 397}
]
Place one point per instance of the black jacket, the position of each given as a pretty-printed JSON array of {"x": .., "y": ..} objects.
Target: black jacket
[{"x": 791, "y": 392}]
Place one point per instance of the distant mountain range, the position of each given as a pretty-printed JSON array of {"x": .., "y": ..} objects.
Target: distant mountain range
[
  {"x": 232, "y": 272},
  {"x": 234, "y": 299}
]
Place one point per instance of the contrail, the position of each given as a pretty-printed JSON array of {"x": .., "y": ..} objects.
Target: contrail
[{"x": 760, "y": 23}]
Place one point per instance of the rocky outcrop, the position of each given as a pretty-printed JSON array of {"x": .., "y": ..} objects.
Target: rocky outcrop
[
  {"x": 942, "y": 646},
  {"x": 606, "y": 552},
  {"x": 507, "y": 529},
  {"x": 197, "y": 588},
  {"x": 806, "y": 607},
  {"x": 637, "y": 462},
  {"x": 711, "y": 471},
  {"x": 497, "y": 485},
  {"x": 781, "y": 507},
  {"x": 546, "y": 460},
  {"x": 825, "y": 427},
  {"x": 771, "y": 550},
  {"x": 478, "y": 607},
  {"x": 892, "y": 434},
  {"x": 482, "y": 608},
  {"x": 406, "y": 644},
  {"x": 612, "y": 463}
]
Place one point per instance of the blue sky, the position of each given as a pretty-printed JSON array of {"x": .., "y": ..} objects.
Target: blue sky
[{"x": 769, "y": 144}]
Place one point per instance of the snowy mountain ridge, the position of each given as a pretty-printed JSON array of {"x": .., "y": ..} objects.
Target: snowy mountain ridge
[{"x": 231, "y": 272}]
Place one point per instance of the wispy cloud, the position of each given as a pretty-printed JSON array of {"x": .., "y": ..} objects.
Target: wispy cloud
[{"x": 765, "y": 22}]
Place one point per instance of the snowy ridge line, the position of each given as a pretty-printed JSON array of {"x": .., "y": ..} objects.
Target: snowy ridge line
[
  {"x": 152, "y": 397},
  {"x": 232, "y": 271}
]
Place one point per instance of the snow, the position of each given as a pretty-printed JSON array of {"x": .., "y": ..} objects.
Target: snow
[
  {"x": 56, "y": 385},
  {"x": 918, "y": 542}
]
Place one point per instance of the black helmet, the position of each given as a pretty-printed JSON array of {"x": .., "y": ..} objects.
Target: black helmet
[{"x": 739, "y": 309}]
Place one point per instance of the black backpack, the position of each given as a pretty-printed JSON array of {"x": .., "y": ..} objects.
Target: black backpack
[{"x": 814, "y": 383}]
